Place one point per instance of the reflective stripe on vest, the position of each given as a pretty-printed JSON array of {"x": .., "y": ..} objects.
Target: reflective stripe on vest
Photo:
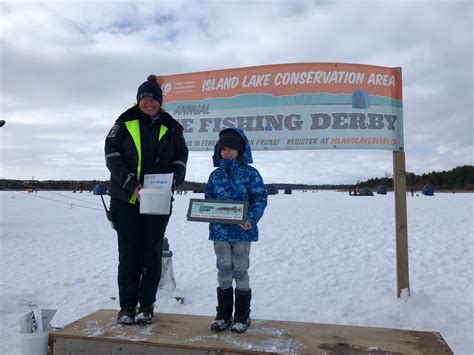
[
  {"x": 133, "y": 128},
  {"x": 163, "y": 130}
]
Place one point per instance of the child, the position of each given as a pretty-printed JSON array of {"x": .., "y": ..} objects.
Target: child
[{"x": 235, "y": 180}]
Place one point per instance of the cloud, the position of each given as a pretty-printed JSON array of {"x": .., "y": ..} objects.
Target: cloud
[{"x": 68, "y": 69}]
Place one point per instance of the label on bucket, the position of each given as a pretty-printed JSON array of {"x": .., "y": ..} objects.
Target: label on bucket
[{"x": 158, "y": 181}]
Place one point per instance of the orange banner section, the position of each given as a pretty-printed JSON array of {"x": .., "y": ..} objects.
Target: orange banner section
[{"x": 282, "y": 80}]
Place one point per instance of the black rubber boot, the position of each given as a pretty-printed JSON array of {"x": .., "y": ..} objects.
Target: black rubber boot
[
  {"x": 225, "y": 305},
  {"x": 242, "y": 311}
]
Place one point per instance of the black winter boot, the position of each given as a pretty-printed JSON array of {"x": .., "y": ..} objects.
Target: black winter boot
[
  {"x": 126, "y": 316},
  {"x": 225, "y": 305},
  {"x": 145, "y": 314},
  {"x": 242, "y": 311}
]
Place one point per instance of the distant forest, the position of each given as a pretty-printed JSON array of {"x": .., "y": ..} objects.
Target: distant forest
[{"x": 459, "y": 178}]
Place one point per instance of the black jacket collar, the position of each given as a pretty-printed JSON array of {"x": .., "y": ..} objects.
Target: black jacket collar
[{"x": 134, "y": 112}]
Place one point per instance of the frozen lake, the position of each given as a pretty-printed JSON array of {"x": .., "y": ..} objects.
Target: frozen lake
[{"x": 322, "y": 257}]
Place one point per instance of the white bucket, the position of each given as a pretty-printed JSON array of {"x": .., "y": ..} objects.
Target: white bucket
[
  {"x": 155, "y": 201},
  {"x": 34, "y": 343}
]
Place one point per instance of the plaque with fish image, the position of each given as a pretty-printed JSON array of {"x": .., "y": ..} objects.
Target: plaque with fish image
[{"x": 217, "y": 211}]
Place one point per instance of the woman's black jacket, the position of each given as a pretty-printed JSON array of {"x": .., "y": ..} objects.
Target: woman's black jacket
[{"x": 158, "y": 156}]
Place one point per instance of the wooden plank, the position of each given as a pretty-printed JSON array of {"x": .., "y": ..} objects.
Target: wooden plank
[
  {"x": 401, "y": 229},
  {"x": 99, "y": 333}
]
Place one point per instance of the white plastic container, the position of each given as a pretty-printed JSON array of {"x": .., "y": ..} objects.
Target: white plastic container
[
  {"x": 34, "y": 343},
  {"x": 155, "y": 201}
]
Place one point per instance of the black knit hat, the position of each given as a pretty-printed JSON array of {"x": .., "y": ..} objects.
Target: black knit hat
[
  {"x": 150, "y": 88},
  {"x": 231, "y": 139}
]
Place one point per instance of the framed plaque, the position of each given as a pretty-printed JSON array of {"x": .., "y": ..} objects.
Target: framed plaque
[{"x": 217, "y": 211}]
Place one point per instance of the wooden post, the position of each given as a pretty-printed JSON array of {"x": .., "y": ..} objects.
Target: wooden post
[{"x": 400, "y": 187}]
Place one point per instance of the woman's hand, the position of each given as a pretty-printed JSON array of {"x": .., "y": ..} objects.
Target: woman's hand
[{"x": 137, "y": 191}]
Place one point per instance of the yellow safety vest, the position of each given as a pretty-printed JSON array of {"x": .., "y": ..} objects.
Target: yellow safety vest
[{"x": 133, "y": 128}]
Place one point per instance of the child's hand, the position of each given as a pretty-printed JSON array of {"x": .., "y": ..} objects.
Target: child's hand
[{"x": 246, "y": 226}]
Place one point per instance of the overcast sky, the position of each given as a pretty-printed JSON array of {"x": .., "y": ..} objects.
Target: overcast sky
[{"x": 69, "y": 69}]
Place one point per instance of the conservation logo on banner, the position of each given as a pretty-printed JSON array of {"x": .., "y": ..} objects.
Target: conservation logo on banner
[{"x": 291, "y": 106}]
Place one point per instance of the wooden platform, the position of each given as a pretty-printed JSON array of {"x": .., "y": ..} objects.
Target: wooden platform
[{"x": 99, "y": 333}]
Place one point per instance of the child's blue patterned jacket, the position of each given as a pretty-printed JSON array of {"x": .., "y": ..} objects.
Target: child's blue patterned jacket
[{"x": 236, "y": 180}]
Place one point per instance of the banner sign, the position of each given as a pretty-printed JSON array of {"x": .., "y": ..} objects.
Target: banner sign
[
  {"x": 217, "y": 211},
  {"x": 290, "y": 106}
]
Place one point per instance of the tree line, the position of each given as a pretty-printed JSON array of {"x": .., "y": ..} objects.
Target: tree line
[{"x": 459, "y": 178}]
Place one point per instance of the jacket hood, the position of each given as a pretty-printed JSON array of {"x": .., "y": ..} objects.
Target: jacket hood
[{"x": 246, "y": 155}]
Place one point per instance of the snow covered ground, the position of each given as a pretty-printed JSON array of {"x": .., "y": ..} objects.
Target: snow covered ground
[{"x": 323, "y": 257}]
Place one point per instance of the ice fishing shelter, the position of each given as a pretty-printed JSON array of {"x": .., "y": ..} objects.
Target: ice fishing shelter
[
  {"x": 288, "y": 190},
  {"x": 360, "y": 99},
  {"x": 365, "y": 192},
  {"x": 272, "y": 189},
  {"x": 382, "y": 190},
  {"x": 100, "y": 189},
  {"x": 428, "y": 190}
]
